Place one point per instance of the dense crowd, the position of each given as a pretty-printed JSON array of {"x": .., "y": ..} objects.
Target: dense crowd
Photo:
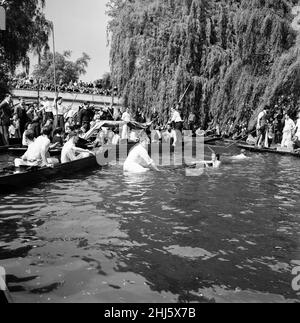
[
  {"x": 278, "y": 130},
  {"x": 16, "y": 120},
  {"x": 79, "y": 87}
]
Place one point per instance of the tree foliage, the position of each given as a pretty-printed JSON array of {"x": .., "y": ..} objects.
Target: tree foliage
[
  {"x": 239, "y": 55},
  {"x": 66, "y": 70},
  {"x": 27, "y": 29}
]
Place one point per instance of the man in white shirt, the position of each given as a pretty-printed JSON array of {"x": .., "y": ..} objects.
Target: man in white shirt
[
  {"x": 126, "y": 117},
  {"x": 177, "y": 120},
  {"x": 297, "y": 134},
  {"x": 138, "y": 160},
  {"x": 37, "y": 153},
  {"x": 70, "y": 152},
  {"x": 288, "y": 132},
  {"x": 170, "y": 136},
  {"x": 48, "y": 109},
  {"x": 59, "y": 110},
  {"x": 261, "y": 127}
]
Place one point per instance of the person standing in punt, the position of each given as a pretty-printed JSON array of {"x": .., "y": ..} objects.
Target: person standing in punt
[
  {"x": 297, "y": 133},
  {"x": 85, "y": 116},
  {"x": 47, "y": 108},
  {"x": 288, "y": 132},
  {"x": 20, "y": 110},
  {"x": 126, "y": 117},
  {"x": 261, "y": 127},
  {"x": 59, "y": 111},
  {"x": 176, "y": 120},
  {"x": 5, "y": 116}
]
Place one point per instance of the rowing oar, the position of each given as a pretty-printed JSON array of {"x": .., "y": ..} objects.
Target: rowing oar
[
  {"x": 184, "y": 94},
  {"x": 249, "y": 133}
]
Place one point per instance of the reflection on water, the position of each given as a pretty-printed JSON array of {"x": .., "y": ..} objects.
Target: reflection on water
[{"x": 229, "y": 235}]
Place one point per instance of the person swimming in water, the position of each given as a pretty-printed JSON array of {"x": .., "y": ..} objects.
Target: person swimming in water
[
  {"x": 138, "y": 160},
  {"x": 241, "y": 156},
  {"x": 215, "y": 162}
]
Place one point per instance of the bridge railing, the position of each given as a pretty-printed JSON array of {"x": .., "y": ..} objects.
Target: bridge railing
[{"x": 67, "y": 97}]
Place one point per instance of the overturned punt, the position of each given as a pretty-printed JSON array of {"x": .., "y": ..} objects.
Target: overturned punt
[
  {"x": 11, "y": 181},
  {"x": 269, "y": 150}
]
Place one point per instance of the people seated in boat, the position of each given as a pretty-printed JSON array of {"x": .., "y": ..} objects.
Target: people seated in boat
[
  {"x": 261, "y": 127},
  {"x": 288, "y": 132},
  {"x": 138, "y": 160},
  {"x": 58, "y": 137},
  {"x": 101, "y": 139},
  {"x": 133, "y": 137},
  {"x": 37, "y": 153},
  {"x": 170, "y": 136},
  {"x": 297, "y": 133},
  {"x": 68, "y": 126},
  {"x": 28, "y": 128},
  {"x": 116, "y": 137},
  {"x": 83, "y": 130},
  {"x": 156, "y": 135},
  {"x": 70, "y": 152}
]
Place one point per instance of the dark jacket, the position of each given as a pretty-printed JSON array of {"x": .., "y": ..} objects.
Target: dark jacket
[
  {"x": 5, "y": 114},
  {"x": 85, "y": 116}
]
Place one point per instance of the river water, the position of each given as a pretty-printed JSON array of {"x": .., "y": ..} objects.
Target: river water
[{"x": 230, "y": 235}]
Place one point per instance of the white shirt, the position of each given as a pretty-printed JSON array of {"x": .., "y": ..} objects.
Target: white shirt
[
  {"x": 289, "y": 126},
  {"x": 298, "y": 129},
  {"x": 260, "y": 116},
  {"x": 47, "y": 106},
  {"x": 67, "y": 153},
  {"x": 176, "y": 117},
  {"x": 167, "y": 136},
  {"x": 61, "y": 110},
  {"x": 133, "y": 136},
  {"x": 116, "y": 140},
  {"x": 126, "y": 117},
  {"x": 35, "y": 149},
  {"x": 140, "y": 156}
]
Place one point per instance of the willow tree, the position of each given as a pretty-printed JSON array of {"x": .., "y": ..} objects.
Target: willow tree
[
  {"x": 26, "y": 27},
  {"x": 236, "y": 54}
]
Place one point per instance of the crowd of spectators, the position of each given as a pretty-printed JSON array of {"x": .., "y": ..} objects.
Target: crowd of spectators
[{"x": 80, "y": 87}]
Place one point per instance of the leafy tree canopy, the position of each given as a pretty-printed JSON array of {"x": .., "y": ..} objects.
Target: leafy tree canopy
[
  {"x": 66, "y": 70},
  {"x": 239, "y": 55},
  {"x": 27, "y": 30}
]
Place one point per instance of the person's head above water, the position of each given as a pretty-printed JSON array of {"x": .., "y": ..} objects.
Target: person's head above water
[
  {"x": 215, "y": 157},
  {"x": 143, "y": 139}
]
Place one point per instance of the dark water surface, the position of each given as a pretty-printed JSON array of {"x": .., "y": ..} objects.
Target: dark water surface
[{"x": 230, "y": 235}]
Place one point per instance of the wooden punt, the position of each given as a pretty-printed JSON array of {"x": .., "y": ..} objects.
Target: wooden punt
[{"x": 255, "y": 149}]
